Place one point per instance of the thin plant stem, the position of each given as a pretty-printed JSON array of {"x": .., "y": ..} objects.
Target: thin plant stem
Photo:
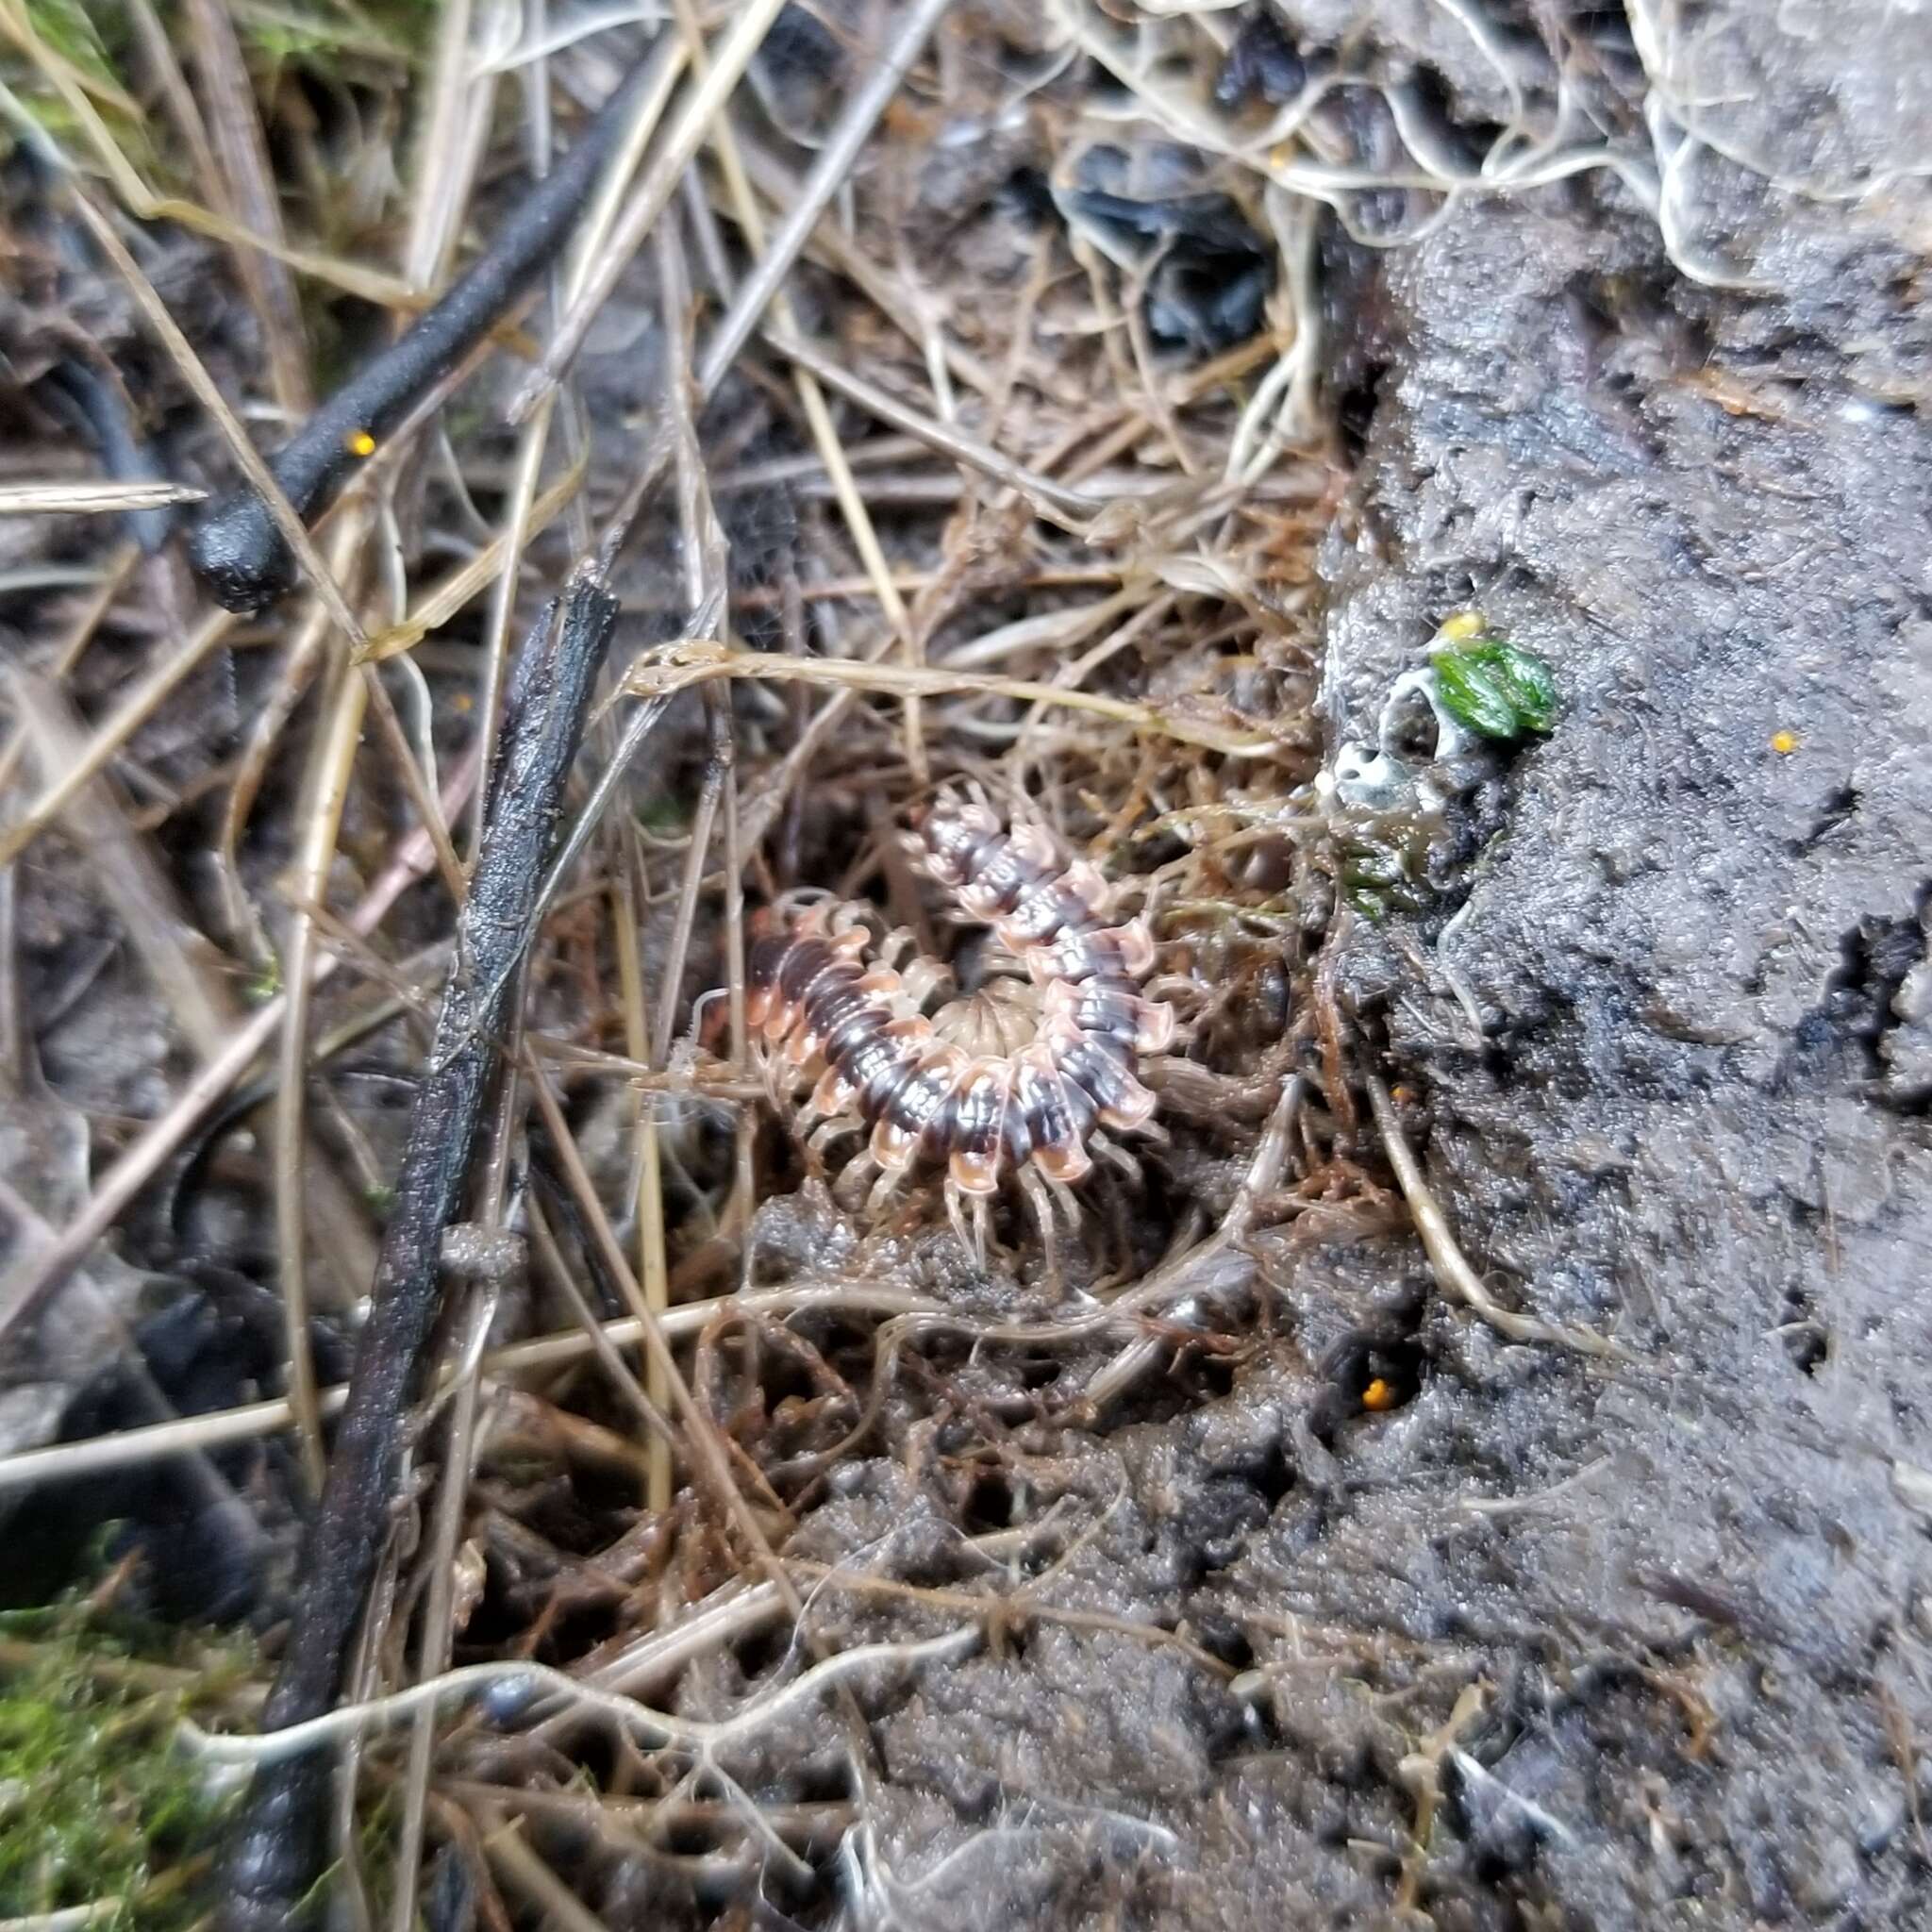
[
  {"x": 739, "y": 41},
  {"x": 331, "y": 768}
]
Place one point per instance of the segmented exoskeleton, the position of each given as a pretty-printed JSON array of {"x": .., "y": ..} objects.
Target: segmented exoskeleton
[{"x": 1024, "y": 1075}]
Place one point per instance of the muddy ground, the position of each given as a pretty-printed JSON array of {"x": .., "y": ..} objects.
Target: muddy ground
[{"x": 1657, "y": 1634}]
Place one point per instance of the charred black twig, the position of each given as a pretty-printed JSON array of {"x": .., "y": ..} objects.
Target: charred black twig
[
  {"x": 278, "y": 1844},
  {"x": 96, "y": 401},
  {"x": 234, "y": 545},
  {"x": 82, "y": 386}
]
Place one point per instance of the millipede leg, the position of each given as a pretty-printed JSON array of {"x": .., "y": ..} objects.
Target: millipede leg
[
  {"x": 1068, "y": 1206},
  {"x": 1177, "y": 990},
  {"x": 852, "y": 1178},
  {"x": 973, "y": 1242},
  {"x": 882, "y": 1192},
  {"x": 1039, "y": 1203},
  {"x": 829, "y": 1130},
  {"x": 1116, "y": 1156}
]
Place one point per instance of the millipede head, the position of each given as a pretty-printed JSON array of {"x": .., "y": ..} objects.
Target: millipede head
[
  {"x": 761, "y": 974},
  {"x": 953, "y": 839}
]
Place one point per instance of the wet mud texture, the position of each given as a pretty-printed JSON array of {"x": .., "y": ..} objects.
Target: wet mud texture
[
  {"x": 1698, "y": 1115},
  {"x": 1656, "y": 1640}
]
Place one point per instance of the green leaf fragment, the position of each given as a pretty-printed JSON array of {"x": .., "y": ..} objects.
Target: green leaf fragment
[
  {"x": 1474, "y": 696},
  {"x": 1496, "y": 688},
  {"x": 1530, "y": 684}
]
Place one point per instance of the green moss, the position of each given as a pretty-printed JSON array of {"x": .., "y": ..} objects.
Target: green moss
[
  {"x": 324, "y": 34},
  {"x": 96, "y": 1805},
  {"x": 75, "y": 35},
  {"x": 92, "y": 42}
]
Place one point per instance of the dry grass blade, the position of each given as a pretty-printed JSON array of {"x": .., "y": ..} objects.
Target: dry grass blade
[
  {"x": 1048, "y": 498},
  {"x": 385, "y": 290},
  {"x": 1453, "y": 1271},
  {"x": 685, "y": 666},
  {"x": 833, "y": 162},
  {"x": 463, "y": 585},
  {"x": 112, "y": 735},
  {"x": 39, "y": 1274},
  {"x": 852, "y": 503},
  {"x": 92, "y": 499},
  {"x": 687, "y": 134},
  {"x": 526, "y": 1873},
  {"x": 202, "y": 1433},
  {"x": 241, "y": 154},
  {"x": 438, "y": 1632},
  {"x": 332, "y": 760}
]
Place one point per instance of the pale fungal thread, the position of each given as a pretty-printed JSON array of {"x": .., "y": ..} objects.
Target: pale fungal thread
[{"x": 1027, "y": 1074}]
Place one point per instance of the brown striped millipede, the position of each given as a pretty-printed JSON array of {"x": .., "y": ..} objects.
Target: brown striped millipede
[{"x": 1024, "y": 1074}]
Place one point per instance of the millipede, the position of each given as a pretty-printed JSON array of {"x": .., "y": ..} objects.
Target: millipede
[{"x": 1026, "y": 1075}]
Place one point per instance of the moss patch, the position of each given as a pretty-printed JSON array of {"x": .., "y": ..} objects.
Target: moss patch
[{"x": 96, "y": 1805}]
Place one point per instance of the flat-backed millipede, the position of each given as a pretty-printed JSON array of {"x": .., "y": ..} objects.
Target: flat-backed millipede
[{"x": 1023, "y": 1076}]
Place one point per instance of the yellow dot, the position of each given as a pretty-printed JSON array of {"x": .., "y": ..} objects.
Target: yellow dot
[
  {"x": 1784, "y": 743},
  {"x": 361, "y": 443},
  {"x": 1462, "y": 624},
  {"x": 1378, "y": 1394}
]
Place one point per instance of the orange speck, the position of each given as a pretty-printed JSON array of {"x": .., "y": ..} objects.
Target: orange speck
[
  {"x": 463, "y": 702},
  {"x": 1378, "y": 1394},
  {"x": 1402, "y": 1095},
  {"x": 1784, "y": 743},
  {"x": 361, "y": 443}
]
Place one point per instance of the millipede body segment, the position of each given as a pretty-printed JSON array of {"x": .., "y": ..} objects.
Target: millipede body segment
[{"x": 1021, "y": 1076}]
